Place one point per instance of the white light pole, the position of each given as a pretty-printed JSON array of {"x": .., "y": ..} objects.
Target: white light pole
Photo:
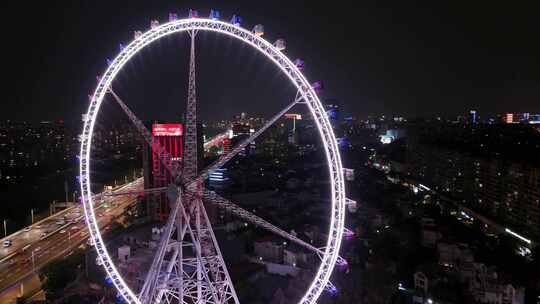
[
  {"x": 5, "y": 228},
  {"x": 32, "y": 215},
  {"x": 33, "y": 260}
]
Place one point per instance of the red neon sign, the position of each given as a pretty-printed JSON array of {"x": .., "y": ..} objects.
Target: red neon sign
[{"x": 167, "y": 129}]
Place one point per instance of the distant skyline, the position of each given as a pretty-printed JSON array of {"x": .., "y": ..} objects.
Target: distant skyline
[{"x": 412, "y": 59}]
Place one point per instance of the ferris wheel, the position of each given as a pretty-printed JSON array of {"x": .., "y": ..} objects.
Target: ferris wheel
[{"x": 188, "y": 266}]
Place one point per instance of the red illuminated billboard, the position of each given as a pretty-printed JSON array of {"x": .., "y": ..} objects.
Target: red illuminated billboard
[
  {"x": 167, "y": 129},
  {"x": 293, "y": 116}
]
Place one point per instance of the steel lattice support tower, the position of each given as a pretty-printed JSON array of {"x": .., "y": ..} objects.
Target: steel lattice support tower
[
  {"x": 190, "y": 151},
  {"x": 209, "y": 281}
]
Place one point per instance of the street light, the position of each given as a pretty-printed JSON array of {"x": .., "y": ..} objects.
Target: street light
[
  {"x": 5, "y": 228},
  {"x": 33, "y": 260},
  {"x": 32, "y": 215}
]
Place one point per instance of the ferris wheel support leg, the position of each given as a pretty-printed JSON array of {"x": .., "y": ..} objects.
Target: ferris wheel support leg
[
  {"x": 228, "y": 289},
  {"x": 200, "y": 265},
  {"x": 179, "y": 268},
  {"x": 151, "y": 279},
  {"x": 167, "y": 275},
  {"x": 200, "y": 261}
]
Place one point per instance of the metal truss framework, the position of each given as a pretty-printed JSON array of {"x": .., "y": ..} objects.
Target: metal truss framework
[
  {"x": 309, "y": 97},
  {"x": 235, "y": 209}
]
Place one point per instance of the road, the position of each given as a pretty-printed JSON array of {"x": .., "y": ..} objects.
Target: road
[
  {"x": 216, "y": 140},
  {"x": 49, "y": 239}
]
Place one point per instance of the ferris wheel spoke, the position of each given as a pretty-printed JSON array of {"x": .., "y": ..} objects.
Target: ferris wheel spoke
[
  {"x": 225, "y": 158},
  {"x": 221, "y": 202},
  {"x": 164, "y": 156}
]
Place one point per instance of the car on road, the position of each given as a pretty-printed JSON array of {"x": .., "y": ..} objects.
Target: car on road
[
  {"x": 43, "y": 234},
  {"x": 62, "y": 231},
  {"x": 26, "y": 229},
  {"x": 7, "y": 243}
]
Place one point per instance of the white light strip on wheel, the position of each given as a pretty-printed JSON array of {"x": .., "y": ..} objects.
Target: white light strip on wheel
[{"x": 304, "y": 88}]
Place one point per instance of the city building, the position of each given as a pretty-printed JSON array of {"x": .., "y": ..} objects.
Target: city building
[
  {"x": 218, "y": 179},
  {"x": 473, "y": 118},
  {"x": 266, "y": 249},
  {"x": 526, "y": 118},
  {"x": 430, "y": 233},
  {"x": 491, "y": 169},
  {"x": 167, "y": 137},
  {"x": 27, "y": 149},
  {"x": 332, "y": 109},
  {"x": 485, "y": 286}
]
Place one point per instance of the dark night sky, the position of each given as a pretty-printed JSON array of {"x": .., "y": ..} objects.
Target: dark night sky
[{"x": 408, "y": 58}]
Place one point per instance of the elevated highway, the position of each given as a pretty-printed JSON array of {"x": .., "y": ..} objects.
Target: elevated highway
[{"x": 56, "y": 236}]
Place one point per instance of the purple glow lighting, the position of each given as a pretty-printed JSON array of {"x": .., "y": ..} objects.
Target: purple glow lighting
[
  {"x": 348, "y": 233},
  {"x": 330, "y": 288},
  {"x": 342, "y": 262},
  {"x": 173, "y": 17},
  {"x": 193, "y": 14},
  {"x": 214, "y": 15},
  {"x": 317, "y": 86},
  {"x": 299, "y": 63},
  {"x": 236, "y": 20}
]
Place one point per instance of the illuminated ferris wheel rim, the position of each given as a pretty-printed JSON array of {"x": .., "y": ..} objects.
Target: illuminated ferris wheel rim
[{"x": 305, "y": 90}]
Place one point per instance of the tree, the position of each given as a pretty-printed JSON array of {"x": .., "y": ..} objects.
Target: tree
[
  {"x": 214, "y": 150},
  {"x": 59, "y": 274}
]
